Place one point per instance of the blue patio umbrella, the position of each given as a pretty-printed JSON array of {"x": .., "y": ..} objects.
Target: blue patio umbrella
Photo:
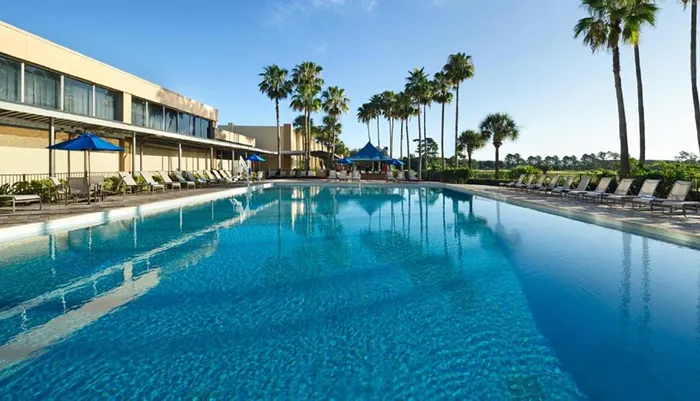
[
  {"x": 255, "y": 158},
  {"x": 87, "y": 142},
  {"x": 395, "y": 162},
  {"x": 344, "y": 160}
]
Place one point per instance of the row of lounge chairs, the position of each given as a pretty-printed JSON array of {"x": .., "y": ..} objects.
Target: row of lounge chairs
[
  {"x": 355, "y": 176},
  {"x": 549, "y": 185}
]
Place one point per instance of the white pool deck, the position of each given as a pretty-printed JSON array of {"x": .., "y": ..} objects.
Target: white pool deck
[{"x": 29, "y": 221}]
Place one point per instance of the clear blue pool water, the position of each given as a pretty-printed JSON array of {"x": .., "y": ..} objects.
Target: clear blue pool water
[{"x": 317, "y": 293}]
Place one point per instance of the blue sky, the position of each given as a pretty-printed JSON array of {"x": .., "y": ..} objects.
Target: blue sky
[{"x": 527, "y": 62}]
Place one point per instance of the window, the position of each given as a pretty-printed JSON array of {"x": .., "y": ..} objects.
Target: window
[
  {"x": 9, "y": 79},
  {"x": 105, "y": 103},
  {"x": 155, "y": 116},
  {"x": 138, "y": 112},
  {"x": 201, "y": 127},
  {"x": 170, "y": 120},
  {"x": 184, "y": 124},
  {"x": 41, "y": 87},
  {"x": 77, "y": 96}
]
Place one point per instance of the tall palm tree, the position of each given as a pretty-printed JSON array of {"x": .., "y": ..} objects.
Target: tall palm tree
[
  {"x": 470, "y": 141},
  {"x": 406, "y": 110},
  {"x": 419, "y": 87},
  {"x": 376, "y": 106},
  {"x": 693, "y": 60},
  {"x": 365, "y": 115},
  {"x": 388, "y": 106},
  {"x": 308, "y": 83},
  {"x": 335, "y": 104},
  {"x": 459, "y": 68},
  {"x": 276, "y": 86},
  {"x": 639, "y": 13},
  {"x": 602, "y": 29},
  {"x": 331, "y": 129},
  {"x": 442, "y": 94},
  {"x": 499, "y": 127}
]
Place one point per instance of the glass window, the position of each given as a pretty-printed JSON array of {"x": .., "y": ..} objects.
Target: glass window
[
  {"x": 184, "y": 124},
  {"x": 201, "y": 127},
  {"x": 138, "y": 112},
  {"x": 41, "y": 87},
  {"x": 77, "y": 96},
  {"x": 155, "y": 116},
  {"x": 105, "y": 103},
  {"x": 9, "y": 79},
  {"x": 170, "y": 120}
]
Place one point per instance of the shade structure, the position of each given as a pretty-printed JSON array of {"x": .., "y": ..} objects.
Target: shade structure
[
  {"x": 87, "y": 142},
  {"x": 395, "y": 162},
  {"x": 255, "y": 158},
  {"x": 369, "y": 153},
  {"x": 344, "y": 160}
]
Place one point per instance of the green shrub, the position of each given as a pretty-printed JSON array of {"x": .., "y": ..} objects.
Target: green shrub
[
  {"x": 43, "y": 188},
  {"x": 515, "y": 172},
  {"x": 668, "y": 173},
  {"x": 112, "y": 184},
  {"x": 454, "y": 176}
]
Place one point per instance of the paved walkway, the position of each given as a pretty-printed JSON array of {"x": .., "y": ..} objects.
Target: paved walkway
[
  {"x": 674, "y": 228},
  {"x": 31, "y": 213}
]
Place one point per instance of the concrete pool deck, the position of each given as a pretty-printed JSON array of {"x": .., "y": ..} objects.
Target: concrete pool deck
[{"x": 29, "y": 220}]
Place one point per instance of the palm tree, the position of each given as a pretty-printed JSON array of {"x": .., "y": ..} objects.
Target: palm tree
[
  {"x": 331, "y": 129},
  {"x": 499, "y": 127},
  {"x": 335, "y": 104},
  {"x": 470, "y": 141},
  {"x": 693, "y": 60},
  {"x": 442, "y": 88},
  {"x": 365, "y": 115},
  {"x": 419, "y": 88},
  {"x": 459, "y": 68},
  {"x": 276, "y": 86},
  {"x": 602, "y": 29},
  {"x": 376, "y": 106},
  {"x": 640, "y": 13},
  {"x": 406, "y": 109},
  {"x": 308, "y": 83},
  {"x": 388, "y": 104}
]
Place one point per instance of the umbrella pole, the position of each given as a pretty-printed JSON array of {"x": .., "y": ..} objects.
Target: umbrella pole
[
  {"x": 88, "y": 177},
  {"x": 66, "y": 190}
]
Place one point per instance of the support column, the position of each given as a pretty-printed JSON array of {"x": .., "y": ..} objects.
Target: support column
[
  {"x": 179, "y": 157},
  {"x": 141, "y": 154},
  {"x": 52, "y": 153},
  {"x": 212, "y": 159},
  {"x": 133, "y": 153}
]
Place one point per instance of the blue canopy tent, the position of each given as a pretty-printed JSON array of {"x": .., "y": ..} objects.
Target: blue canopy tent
[
  {"x": 369, "y": 153},
  {"x": 87, "y": 142},
  {"x": 344, "y": 160},
  {"x": 395, "y": 162}
]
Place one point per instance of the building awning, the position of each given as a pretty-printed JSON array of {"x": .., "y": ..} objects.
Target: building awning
[{"x": 39, "y": 118}]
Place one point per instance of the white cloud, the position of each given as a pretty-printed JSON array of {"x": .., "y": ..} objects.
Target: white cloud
[{"x": 282, "y": 11}]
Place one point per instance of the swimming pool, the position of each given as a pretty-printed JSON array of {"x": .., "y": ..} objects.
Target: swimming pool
[{"x": 319, "y": 293}]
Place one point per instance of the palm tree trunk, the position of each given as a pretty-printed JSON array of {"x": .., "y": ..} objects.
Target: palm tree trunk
[
  {"x": 401, "y": 143},
  {"x": 408, "y": 146},
  {"x": 442, "y": 136},
  {"x": 640, "y": 105},
  {"x": 279, "y": 136},
  {"x": 624, "y": 151},
  {"x": 496, "y": 163},
  {"x": 307, "y": 144},
  {"x": 379, "y": 141},
  {"x": 693, "y": 64},
  {"x": 419, "y": 147},
  {"x": 457, "y": 128},
  {"x": 391, "y": 138},
  {"x": 469, "y": 159},
  {"x": 425, "y": 133},
  {"x": 369, "y": 133}
]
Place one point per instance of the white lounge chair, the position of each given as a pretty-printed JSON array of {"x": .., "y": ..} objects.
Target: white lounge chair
[
  {"x": 195, "y": 179},
  {"x": 400, "y": 176},
  {"x": 261, "y": 176},
  {"x": 183, "y": 181},
  {"x": 412, "y": 176},
  {"x": 390, "y": 176},
  {"x": 342, "y": 175},
  {"x": 513, "y": 183},
  {"x": 601, "y": 189},
  {"x": 568, "y": 182},
  {"x": 214, "y": 174},
  {"x": 168, "y": 182},
  {"x": 153, "y": 185},
  {"x": 581, "y": 187},
  {"x": 621, "y": 192},
  {"x": 15, "y": 199},
  {"x": 676, "y": 199},
  {"x": 537, "y": 185},
  {"x": 525, "y": 183},
  {"x": 553, "y": 183},
  {"x": 332, "y": 176},
  {"x": 356, "y": 176},
  {"x": 128, "y": 181}
]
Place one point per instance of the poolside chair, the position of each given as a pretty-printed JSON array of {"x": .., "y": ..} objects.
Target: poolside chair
[
  {"x": 215, "y": 175},
  {"x": 332, "y": 176},
  {"x": 400, "y": 176},
  {"x": 537, "y": 185},
  {"x": 59, "y": 190},
  {"x": 261, "y": 176},
  {"x": 580, "y": 188},
  {"x": 603, "y": 185},
  {"x": 553, "y": 182},
  {"x": 15, "y": 199},
  {"x": 182, "y": 181},
  {"x": 356, "y": 176},
  {"x": 302, "y": 174},
  {"x": 168, "y": 182},
  {"x": 195, "y": 179},
  {"x": 283, "y": 173},
  {"x": 128, "y": 181},
  {"x": 645, "y": 195},
  {"x": 271, "y": 173},
  {"x": 390, "y": 176},
  {"x": 412, "y": 176},
  {"x": 207, "y": 177},
  {"x": 676, "y": 199},
  {"x": 152, "y": 184},
  {"x": 513, "y": 183},
  {"x": 525, "y": 183},
  {"x": 568, "y": 182},
  {"x": 599, "y": 192},
  {"x": 79, "y": 189},
  {"x": 229, "y": 179},
  {"x": 621, "y": 192}
]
